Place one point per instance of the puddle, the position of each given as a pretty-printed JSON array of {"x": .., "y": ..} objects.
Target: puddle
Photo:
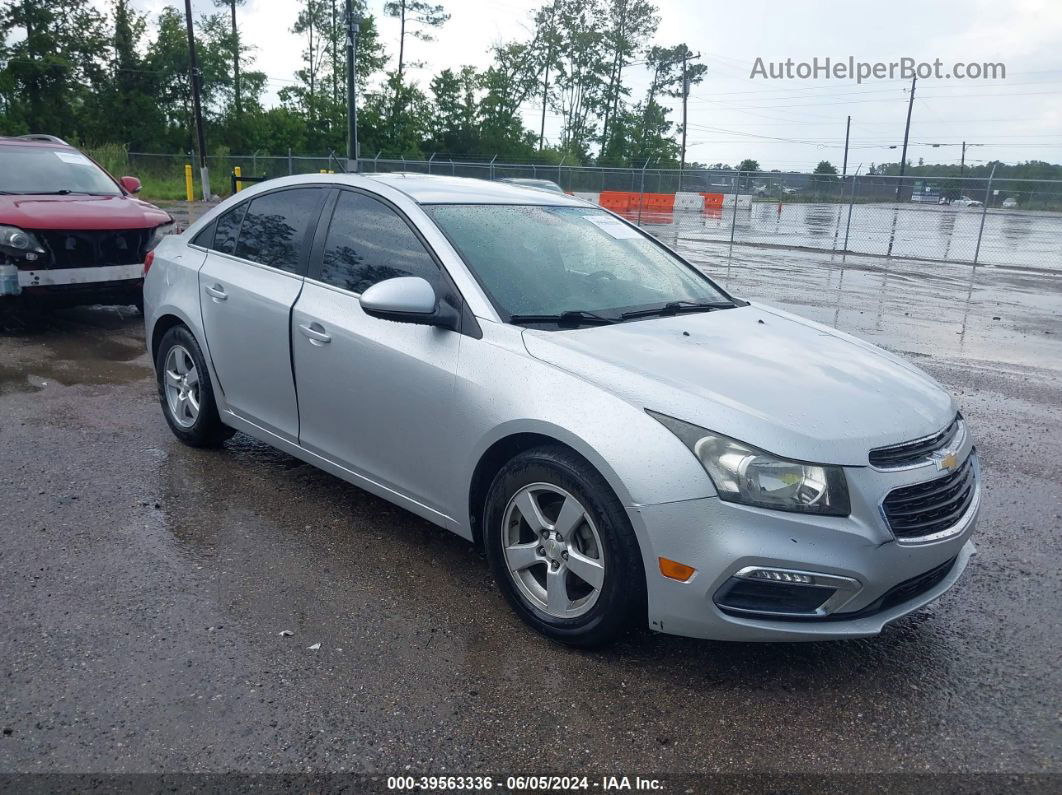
[{"x": 68, "y": 348}]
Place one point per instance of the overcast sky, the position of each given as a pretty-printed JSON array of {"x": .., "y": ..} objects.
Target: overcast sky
[{"x": 785, "y": 124}]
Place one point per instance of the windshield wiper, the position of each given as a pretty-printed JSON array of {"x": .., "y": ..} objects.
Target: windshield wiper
[
  {"x": 63, "y": 192},
  {"x": 675, "y": 307},
  {"x": 572, "y": 317}
]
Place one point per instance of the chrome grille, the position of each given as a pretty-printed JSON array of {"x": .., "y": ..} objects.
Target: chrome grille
[
  {"x": 933, "y": 506},
  {"x": 917, "y": 451}
]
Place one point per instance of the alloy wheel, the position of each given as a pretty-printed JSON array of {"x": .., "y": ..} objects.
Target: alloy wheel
[
  {"x": 182, "y": 386},
  {"x": 553, "y": 550}
]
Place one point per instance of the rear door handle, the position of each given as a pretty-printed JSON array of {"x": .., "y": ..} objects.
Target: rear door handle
[
  {"x": 217, "y": 292},
  {"x": 315, "y": 333}
]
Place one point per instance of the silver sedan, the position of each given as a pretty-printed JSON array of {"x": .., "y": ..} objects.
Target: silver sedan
[{"x": 629, "y": 442}]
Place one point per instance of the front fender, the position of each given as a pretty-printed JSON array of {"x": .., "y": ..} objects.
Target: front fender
[{"x": 642, "y": 461}]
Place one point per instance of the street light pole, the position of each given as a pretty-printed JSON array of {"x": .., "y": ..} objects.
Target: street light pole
[{"x": 353, "y": 27}]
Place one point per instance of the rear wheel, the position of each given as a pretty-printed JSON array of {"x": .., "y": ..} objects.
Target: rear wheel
[
  {"x": 185, "y": 391},
  {"x": 562, "y": 548}
]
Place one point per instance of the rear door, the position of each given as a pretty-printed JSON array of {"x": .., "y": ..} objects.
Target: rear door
[
  {"x": 248, "y": 285},
  {"x": 375, "y": 396}
]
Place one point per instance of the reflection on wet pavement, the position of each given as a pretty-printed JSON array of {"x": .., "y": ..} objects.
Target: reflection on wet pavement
[{"x": 956, "y": 311}]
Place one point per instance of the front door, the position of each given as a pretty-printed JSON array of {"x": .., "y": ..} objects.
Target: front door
[
  {"x": 248, "y": 285},
  {"x": 375, "y": 396}
]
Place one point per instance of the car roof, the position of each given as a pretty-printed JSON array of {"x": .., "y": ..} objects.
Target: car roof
[
  {"x": 34, "y": 143},
  {"x": 431, "y": 189}
]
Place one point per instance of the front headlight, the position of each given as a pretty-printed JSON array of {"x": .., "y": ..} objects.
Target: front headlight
[
  {"x": 160, "y": 232},
  {"x": 19, "y": 241},
  {"x": 745, "y": 474}
]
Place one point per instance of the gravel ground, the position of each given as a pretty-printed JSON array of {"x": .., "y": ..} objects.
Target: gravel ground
[{"x": 144, "y": 586}]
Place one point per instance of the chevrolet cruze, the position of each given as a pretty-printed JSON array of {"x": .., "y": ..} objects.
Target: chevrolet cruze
[{"x": 627, "y": 440}]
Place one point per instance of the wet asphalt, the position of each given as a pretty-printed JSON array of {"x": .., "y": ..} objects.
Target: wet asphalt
[{"x": 144, "y": 586}]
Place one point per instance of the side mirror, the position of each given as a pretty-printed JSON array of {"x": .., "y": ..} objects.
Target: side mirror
[
  {"x": 408, "y": 299},
  {"x": 131, "y": 184}
]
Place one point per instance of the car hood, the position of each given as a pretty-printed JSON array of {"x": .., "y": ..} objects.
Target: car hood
[
  {"x": 771, "y": 379},
  {"x": 79, "y": 212}
]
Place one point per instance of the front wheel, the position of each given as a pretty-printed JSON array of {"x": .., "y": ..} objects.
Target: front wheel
[
  {"x": 562, "y": 548},
  {"x": 185, "y": 391}
]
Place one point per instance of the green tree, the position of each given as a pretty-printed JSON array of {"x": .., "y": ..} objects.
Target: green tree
[
  {"x": 416, "y": 18},
  {"x": 630, "y": 25},
  {"x": 748, "y": 164},
  {"x": 455, "y": 115},
  {"x": 128, "y": 92},
  {"x": 54, "y": 66},
  {"x": 236, "y": 50},
  {"x": 582, "y": 71}
]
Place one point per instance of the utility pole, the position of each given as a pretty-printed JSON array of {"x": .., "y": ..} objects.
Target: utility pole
[
  {"x": 844, "y": 166},
  {"x": 353, "y": 28},
  {"x": 685, "y": 99},
  {"x": 906, "y": 134},
  {"x": 962, "y": 161},
  {"x": 197, "y": 110}
]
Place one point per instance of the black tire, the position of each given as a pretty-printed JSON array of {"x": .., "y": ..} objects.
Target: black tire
[
  {"x": 621, "y": 601},
  {"x": 207, "y": 430}
]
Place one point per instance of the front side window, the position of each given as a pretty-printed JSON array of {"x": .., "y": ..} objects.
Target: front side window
[
  {"x": 536, "y": 260},
  {"x": 273, "y": 231},
  {"x": 40, "y": 170},
  {"x": 368, "y": 242}
]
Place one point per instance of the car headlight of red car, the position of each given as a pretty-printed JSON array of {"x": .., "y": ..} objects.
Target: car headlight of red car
[
  {"x": 19, "y": 242},
  {"x": 160, "y": 232}
]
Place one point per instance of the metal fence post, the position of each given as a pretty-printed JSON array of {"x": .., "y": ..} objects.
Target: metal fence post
[
  {"x": 984, "y": 212},
  {"x": 561, "y": 163},
  {"x": 733, "y": 218},
  {"x": 851, "y": 203},
  {"x": 492, "y": 167},
  {"x": 291, "y": 169},
  {"x": 641, "y": 192},
  {"x": 429, "y": 161}
]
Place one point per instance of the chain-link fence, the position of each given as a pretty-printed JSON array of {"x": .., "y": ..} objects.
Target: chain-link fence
[{"x": 981, "y": 220}]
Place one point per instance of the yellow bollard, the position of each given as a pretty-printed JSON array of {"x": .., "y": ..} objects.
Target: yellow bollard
[
  {"x": 239, "y": 173},
  {"x": 188, "y": 182}
]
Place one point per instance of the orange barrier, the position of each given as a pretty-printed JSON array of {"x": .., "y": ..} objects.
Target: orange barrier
[
  {"x": 712, "y": 200},
  {"x": 616, "y": 200}
]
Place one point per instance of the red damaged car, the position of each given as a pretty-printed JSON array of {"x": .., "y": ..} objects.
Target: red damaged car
[{"x": 69, "y": 231}]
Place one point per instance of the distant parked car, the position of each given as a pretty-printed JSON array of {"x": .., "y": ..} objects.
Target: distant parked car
[
  {"x": 69, "y": 231},
  {"x": 537, "y": 184},
  {"x": 1010, "y": 203},
  {"x": 966, "y": 201}
]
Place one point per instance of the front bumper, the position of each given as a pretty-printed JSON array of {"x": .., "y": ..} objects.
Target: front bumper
[{"x": 719, "y": 539}]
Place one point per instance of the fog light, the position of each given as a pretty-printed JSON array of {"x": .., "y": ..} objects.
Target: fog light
[
  {"x": 780, "y": 576},
  {"x": 674, "y": 570},
  {"x": 785, "y": 592}
]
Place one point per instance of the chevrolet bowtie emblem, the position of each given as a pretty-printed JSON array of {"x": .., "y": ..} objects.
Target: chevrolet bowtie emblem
[{"x": 946, "y": 460}]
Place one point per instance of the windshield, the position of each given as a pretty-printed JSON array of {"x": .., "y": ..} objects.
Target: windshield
[
  {"x": 30, "y": 169},
  {"x": 551, "y": 260}
]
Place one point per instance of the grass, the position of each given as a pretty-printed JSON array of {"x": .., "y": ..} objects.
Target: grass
[{"x": 164, "y": 181}]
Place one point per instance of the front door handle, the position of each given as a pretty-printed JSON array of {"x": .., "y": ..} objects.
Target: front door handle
[
  {"x": 217, "y": 292},
  {"x": 315, "y": 333}
]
